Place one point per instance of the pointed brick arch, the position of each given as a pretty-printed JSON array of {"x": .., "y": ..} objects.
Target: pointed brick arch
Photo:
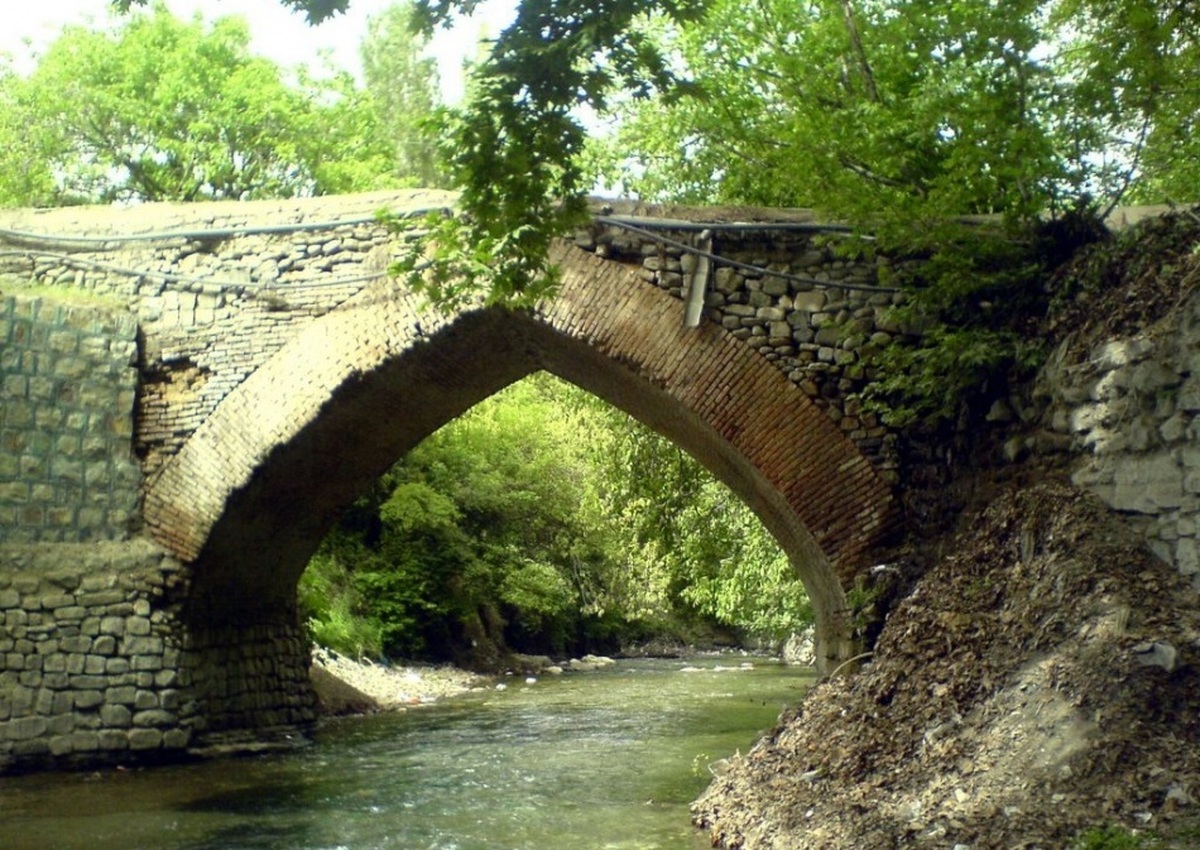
[{"x": 258, "y": 484}]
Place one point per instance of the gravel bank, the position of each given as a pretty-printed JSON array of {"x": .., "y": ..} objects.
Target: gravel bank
[{"x": 379, "y": 688}]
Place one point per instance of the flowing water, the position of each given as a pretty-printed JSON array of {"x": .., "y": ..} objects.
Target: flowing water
[{"x": 587, "y": 761}]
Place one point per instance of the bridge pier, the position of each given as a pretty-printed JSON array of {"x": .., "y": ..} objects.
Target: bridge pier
[{"x": 100, "y": 664}]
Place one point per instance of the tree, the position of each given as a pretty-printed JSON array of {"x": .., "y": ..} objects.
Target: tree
[
  {"x": 908, "y": 105},
  {"x": 873, "y": 112},
  {"x": 402, "y": 86},
  {"x": 315, "y": 10},
  {"x": 1136, "y": 62},
  {"x": 160, "y": 109}
]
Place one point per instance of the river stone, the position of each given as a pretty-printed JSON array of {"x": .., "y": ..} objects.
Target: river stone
[{"x": 335, "y": 697}]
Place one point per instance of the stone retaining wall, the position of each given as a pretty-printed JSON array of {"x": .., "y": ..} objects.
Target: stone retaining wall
[
  {"x": 68, "y": 380},
  {"x": 1131, "y": 408},
  {"x": 91, "y": 657}
]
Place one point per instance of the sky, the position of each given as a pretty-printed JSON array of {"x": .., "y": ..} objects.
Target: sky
[{"x": 26, "y": 28}]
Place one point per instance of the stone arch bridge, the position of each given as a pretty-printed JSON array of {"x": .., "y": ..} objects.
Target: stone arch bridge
[{"x": 192, "y": 394}]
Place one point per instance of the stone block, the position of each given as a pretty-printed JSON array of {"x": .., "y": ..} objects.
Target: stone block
[
  {"x": 152, "y": 645},
  {"x": 810, "y": 302},
  {"x": 61, "y": 745},
  {"x": 1141, "y": 484},
  {"x": 116, "y": 716},
  {"x": 25, "y": 728},
  {"x": 153, "y": 717},
  {"x": 77, "y": 643},
  {"x": 176, "y": 739},
  {"x": 64, "y": 702},
  {"x": 113, "y": 739},
  {"x": 87, "y": 682},
  {"x": 1188, "y": 399},
  {"x": 144, "y": 739},
  {"x": 1187, "y": 556},
  {"x": 32, "y": 748},
  {"x": 61, "y": 724},
  {"x": 123, "y": 695},
  {"x": 85, "y": 741},
  {"x": 147, "y": 663},
  {"x": 1120, "y": 352},
  {"x": 88, "y": 699}
]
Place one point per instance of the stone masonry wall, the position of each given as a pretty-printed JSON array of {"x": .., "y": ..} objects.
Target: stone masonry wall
[
  {"x": 98, "y": 663},
  {"x": 817, "y": 331},
  {"x": 91, "y": 668},
  {"x": 1131, "y": 408},
  {"x": 68, "y": 377}
]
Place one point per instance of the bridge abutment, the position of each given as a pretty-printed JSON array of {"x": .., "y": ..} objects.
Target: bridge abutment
[{"x": 101, "y": 664}]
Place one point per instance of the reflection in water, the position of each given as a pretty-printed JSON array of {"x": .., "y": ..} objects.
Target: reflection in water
[{"x": 603, "y": 760}]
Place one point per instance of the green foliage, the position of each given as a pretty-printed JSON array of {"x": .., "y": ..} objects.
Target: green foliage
[
  {"x": 513, "y": 150},
  {"x": 548, "y": 522},
  {"x": 334, "y": 609},
  {"x": 1136, "y": 63},
  {"x": 876, "y": 113},
  {"x": 1112, "y": 838},
  {"x": 402, "y": 87},
  {"x": 162, "y": 109},
  {"x": 973, "y": 314}
]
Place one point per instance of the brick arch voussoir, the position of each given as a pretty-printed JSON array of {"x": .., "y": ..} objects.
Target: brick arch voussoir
[
  {"x": 748, "y": 401},
  {"x": 290, "y": 430},
  {"x": 225, "y": 501}
]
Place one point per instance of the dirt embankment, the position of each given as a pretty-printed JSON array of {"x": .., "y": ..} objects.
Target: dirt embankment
[{"x": 1039, "y": 680}]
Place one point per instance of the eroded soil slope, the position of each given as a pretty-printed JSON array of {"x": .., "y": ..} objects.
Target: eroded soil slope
[{"x": 1041, "y": 678}]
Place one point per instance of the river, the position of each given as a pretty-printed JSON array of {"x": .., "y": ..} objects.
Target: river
[{"x": 608, "y": 760}]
